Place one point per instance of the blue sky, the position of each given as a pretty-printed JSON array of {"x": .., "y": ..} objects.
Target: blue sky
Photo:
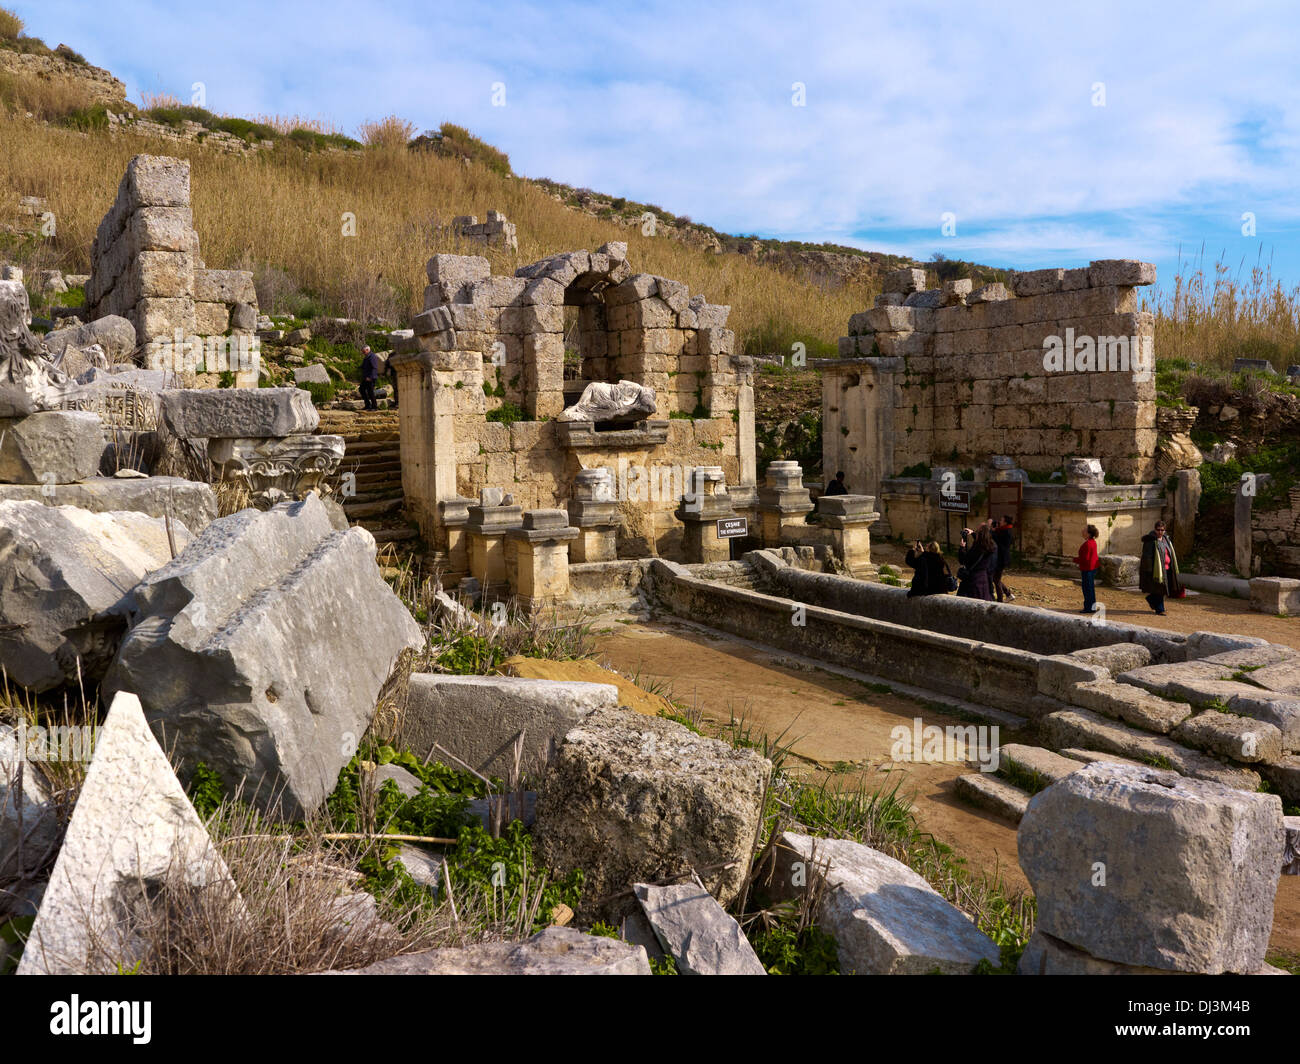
[{"x": 1048, "y": 136}]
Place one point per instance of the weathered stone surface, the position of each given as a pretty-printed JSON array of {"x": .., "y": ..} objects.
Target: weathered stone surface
[
  {"x": 1118, "y": 570},
  {"x": 1085, "y": 730},
  {"x": 1210, "y": 644},
  {"x": 316, "y": 373},
  {"x": 1043, "y": 765},
  {"x": 886, "y": 919},
  {"x": 62, "y": 565},
  {"x": 28, "y": 380},
  {"x": 51, "y": 447},
  {"x": 1058, "y": 674},
  {"x": 192, "y": 503},
  {"x": 1160, "y": 678},
  {"x": 631, "y": 798},
  {"x": 114, "y": 334},
  {"x": 1130, "y": 704},
  {"x": 476, "y": 718},
  {"x": 1291, "y": 846},
  {"x": 996, "y": 795},
  {"x": 1280, "y": 711},
  {"x": 1283, "y": 678},
  {"x": 555, "y": 951},
  {"x": 1045, "y": 955},
  {"x": 1230, "y": 736},
  {"x": 1190, "y": 868},
  {"x": 697, "y": 931},
  {"x": 40, "y": 820},
  {"x": 209, "y": 413},
  {"x": 131, "y": 830},
  {"x": 1115, "y": 657},
  {"x": 422, "y": 866},
  {"x": 261, "y": 648}
]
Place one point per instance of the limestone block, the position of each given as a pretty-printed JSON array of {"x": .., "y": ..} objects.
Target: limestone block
[{"x": 1191, "y": 868}]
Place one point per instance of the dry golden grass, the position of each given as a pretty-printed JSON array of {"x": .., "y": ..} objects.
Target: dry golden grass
[
  {"x": 286, "y": 124},
  {"x": 1232, "y": 314},
  {"x": 391, "y": 133},
  {"x": 48, "y": 99},
  {"x": 284, "y": 208},
  {"x": 150, "y": 100}
]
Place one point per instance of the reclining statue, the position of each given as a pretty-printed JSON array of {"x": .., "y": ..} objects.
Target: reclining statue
[
  {"x": 29, "y": 381},
  {"x": 624, "y": 401}
]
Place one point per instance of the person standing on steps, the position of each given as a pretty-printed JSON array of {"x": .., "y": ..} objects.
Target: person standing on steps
[
  {"x": 1158, "y": 574},
  {"x": 1003, "y": 535},
  {"x": 1087, "y": 562},
  {"x": 369, "y": 375},
  {"x": 837, "y": 486}
]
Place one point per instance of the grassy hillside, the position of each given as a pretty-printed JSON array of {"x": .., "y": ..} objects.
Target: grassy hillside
[{"x": 281, "y": 213}]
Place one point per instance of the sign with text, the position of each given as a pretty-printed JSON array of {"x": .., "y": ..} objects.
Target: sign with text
[
  {"x": 957, "y": 502},
  {"x": 733, "y": 527}
]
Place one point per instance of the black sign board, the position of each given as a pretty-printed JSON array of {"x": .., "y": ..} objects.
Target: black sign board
[
  {"x": 956, "y": 503},
  {"x": 733, "y": 527}
]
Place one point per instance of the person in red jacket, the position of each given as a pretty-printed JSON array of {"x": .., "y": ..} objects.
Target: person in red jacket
[{"x": 1086, "y": 560}]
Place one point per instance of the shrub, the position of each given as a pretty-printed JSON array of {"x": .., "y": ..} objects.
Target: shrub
[
  {"x": 507, "y": 413},
  {"x": 391, "y": 132},
  {"x": 11, "y": 26},
  {"x": 321, "y": 394}
]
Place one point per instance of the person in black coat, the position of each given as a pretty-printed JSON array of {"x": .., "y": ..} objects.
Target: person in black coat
[
  {"x": 932, "y": 573},
  {"x": 837, "y": 486},
  {"x": 369, "y": 375},
  {"x": 978, "y": 555},
  {"x": 1003, "y": 536}
]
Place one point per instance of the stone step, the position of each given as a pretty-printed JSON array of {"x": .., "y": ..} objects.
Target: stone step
[
  {"x": 359, "y": 445},
  {"x": 1086, "y": 730},
  {"x": 1133, "y": 705},
  {"x": 371, "y": 496},
  {"x": 356, "y": 511},
  {"x": 1040, "y": 766},
  {"x": 393, "y": 535},
  {"x": 369, "y": 477},
  {"x": 1089, "y": 756},
  {"x": 996, "y": 795}
]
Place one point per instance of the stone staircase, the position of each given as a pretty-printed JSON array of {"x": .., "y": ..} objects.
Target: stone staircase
[
  {"x": 1231, "y": 717},
  {"x": 372, "y": 455}
]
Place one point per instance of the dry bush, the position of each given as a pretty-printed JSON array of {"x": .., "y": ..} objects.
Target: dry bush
[
  {"x": 11, "y": 25},
  {"x": 150, "y": 100},
  {"x": 391, "y": 132}
]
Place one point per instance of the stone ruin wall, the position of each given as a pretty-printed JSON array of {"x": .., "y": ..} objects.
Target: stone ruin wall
[
  {"x": 146, "y": 266},
  {"x": 483, "y": 341},
  {"x": 495, "y": 232},
  {"x": 952, "y": 376}
]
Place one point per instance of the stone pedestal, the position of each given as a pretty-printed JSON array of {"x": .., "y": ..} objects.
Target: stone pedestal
[
  {"x": 274, "y": 469},
  {"x": 538, "y": 557},
  {"x": 454, "y": 515},
  {"x": 850, "y": 517},
  {"x": 705, "y": 503},
  {"x": 782, "y": 503},
  {"x": 486, "y": 530},
  {"x": 1002, "y": 467},
  {"x": 593, "y": 510}
]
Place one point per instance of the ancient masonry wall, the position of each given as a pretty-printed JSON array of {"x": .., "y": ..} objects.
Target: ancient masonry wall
[
  {"x": 486, "y": 341},
  {"x": 1275, "y": 537},
  {"x": 146, "y": 267},
  {"x": 951, "y": 376},
  {"x": 495, "y": 232}
]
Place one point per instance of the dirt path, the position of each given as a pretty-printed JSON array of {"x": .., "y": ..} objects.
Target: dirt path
[{"x": 840, "y": 728}]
